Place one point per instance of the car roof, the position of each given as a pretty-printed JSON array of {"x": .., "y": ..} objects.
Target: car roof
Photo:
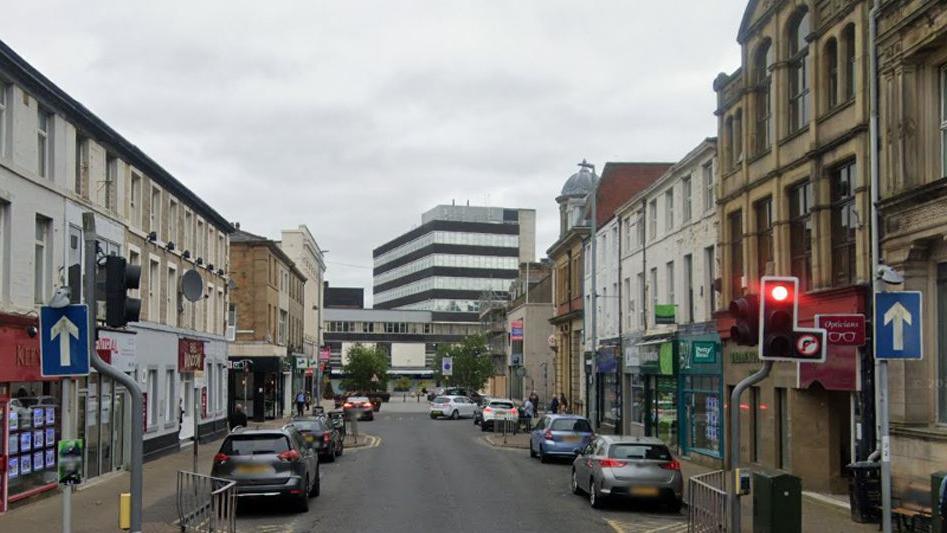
[
  {"x": 501, "y": 400},
  {"x": 262, "y": 431},
  {"x": 631, "y": 439},
  {"x": 567, "y": 417}
]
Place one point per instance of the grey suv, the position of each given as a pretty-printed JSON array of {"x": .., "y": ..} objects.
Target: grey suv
[{"x": 269, "y": 462}]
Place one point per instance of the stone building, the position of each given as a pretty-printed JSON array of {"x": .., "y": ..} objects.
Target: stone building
[
  {"x": 793, "y": 200},
  {"x": 301, "y": 247},
  {"x": 913, "y": 193},
  {"x": 268, "y": 299},
  {"x": 530, "y": 359}
]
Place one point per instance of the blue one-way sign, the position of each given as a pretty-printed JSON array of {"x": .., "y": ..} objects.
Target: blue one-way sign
[
  {"x": 898, "y": 325},
  {"x": 64, "y": 340}
]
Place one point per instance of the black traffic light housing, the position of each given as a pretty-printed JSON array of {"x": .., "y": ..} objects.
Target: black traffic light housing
[
  {"x": 745, "y": 310},
  {"x": 778, "y": 316},
  {"x": 120, "y": 309}
]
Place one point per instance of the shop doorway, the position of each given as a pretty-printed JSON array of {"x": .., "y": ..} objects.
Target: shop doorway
[
  {"x": 661, "y": 418},
  {"x": 186, "y": 402}
]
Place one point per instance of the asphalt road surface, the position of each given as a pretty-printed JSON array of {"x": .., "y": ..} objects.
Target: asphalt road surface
[{"x": 426, "y": 475}]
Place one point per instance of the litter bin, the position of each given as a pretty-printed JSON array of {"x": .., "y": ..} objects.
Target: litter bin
[
  {"x": 936, "y": 479},
  {"x": 864, "y": 492},
  {"x": 777, "y": 503}
]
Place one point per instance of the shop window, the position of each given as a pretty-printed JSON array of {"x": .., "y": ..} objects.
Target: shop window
[
  {"x": 637, "y": 399},
  {"x": 800, "y": 234},
  {"x": 703, "y": 405},
  {"x": 32, "y": 422},
  {"x": 844, "y": 224}
]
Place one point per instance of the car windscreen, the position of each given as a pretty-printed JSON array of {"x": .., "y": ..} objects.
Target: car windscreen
[
  {"x": 442, "y": 399},
  {"x": 309, "y": 426},
  {"x": 257, "y": 444},
  {"x": 579, "y": 425},
  {"x": 656, "y": 452},
  {"x": 502, "y": 405}
]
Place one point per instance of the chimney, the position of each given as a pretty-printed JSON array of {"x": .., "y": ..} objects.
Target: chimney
[{"x": 236, "y": 225}]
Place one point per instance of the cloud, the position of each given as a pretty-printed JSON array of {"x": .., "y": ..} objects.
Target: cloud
[{"x": 354, "y": 118}]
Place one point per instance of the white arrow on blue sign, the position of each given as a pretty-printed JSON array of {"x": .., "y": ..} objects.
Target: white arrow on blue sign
[
  {"x": 64, "y": 341},
  {"x": 899, "y": 325}
]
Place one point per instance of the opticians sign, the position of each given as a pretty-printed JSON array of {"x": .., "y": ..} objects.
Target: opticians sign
[{"x": 843, "y": 330}]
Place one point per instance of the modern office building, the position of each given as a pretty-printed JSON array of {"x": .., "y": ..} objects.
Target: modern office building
[{"x": 456, "y": 255}]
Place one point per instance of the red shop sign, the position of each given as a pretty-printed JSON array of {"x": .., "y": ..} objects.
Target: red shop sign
[
  {"x": 19, "y": 352},
  {"x": 190, "y": 355},
  {"x": 843, "y": 330}
]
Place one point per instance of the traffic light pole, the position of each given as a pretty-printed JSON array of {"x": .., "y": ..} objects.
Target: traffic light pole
[
  {"x": 137, "y": 429},
  {"x": 733, "y": 458}
]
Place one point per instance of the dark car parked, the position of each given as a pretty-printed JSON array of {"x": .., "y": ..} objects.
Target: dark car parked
[
  {"x": 320, "y": 435},
  {"x": 269, "y": 462}
]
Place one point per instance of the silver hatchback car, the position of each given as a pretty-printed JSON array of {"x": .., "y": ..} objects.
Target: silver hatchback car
[{"x": 612, "y": 466}]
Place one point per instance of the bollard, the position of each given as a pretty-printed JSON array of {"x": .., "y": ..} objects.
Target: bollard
[{"x": 125, "y": 510}]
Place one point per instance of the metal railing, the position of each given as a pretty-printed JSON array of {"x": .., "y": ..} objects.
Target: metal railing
[
  {"x": 707, "y": 502},
  {"x": 206, "y": 504}
]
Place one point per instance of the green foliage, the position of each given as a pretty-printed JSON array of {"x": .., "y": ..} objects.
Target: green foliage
[
  {"x": 472, "y": 364},
  {"x": 366, "y": 365},
  {"x": 402, "y": 384}
]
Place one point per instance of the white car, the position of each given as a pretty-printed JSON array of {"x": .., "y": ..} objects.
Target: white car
[
  {"x": 498, "y": 409},
  {"x": 452, "y": 406}
]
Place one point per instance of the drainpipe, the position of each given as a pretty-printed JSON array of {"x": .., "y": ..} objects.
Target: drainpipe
[{"x": 590, "y": 378}]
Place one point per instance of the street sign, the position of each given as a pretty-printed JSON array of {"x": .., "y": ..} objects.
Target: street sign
[
  {"x": 447, "y": 366},
  {"x": 516, "y": 330},
  {"x": 64, "y": 340},
  {"x": 808, "y": 344},
  {"x": 843, "y": 330},
  {"x": 898, "y": 325}
]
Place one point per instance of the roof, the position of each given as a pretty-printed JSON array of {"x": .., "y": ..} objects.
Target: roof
[
  {"x": 240, "y": 236},
  {"x": 622, "y": 181},
  {"x": 579, "y": 184},
  {"x": 51, "y": 95}
]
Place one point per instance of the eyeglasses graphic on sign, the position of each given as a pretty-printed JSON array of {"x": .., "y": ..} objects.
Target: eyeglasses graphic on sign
[{"x": 841, "y": 336}]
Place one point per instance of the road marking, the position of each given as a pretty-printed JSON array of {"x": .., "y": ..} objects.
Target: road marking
[{"x": 649, "y": 524}]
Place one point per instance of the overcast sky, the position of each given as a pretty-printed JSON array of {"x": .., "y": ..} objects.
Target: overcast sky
[{"x": 355, "y": 117}]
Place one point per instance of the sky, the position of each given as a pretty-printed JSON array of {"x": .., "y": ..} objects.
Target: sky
[{"x": 356, "y": 117}]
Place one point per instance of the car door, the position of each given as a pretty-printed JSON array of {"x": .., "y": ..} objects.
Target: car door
[
  {"x": 582, "y": 464},
  {"x": 310, "y": 455},
  {"x": 536, "y": 434}
]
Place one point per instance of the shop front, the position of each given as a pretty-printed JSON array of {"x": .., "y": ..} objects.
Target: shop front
[
  {"x": 658, "y": 370},
  {"x": 608, "y": 388},
  {"x": 258, "y": 383},
  {"x": 30, "y": 408},
  {"x": 701, "y": 401}
]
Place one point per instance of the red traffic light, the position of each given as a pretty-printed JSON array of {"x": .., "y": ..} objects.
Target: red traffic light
[{"x": 779, "y": 293}]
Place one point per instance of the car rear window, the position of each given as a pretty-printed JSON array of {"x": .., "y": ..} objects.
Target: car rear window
[
  {"x": 502, "y": 405},
  {"x": 358, "y": 399},
  {"x": 442, "y": 399},
  {"x": 640, "y": 451},
  {"x": 258, "y": 444},
  {"x": 308, "y": 426},
  {"x": 571, "y": 424}
]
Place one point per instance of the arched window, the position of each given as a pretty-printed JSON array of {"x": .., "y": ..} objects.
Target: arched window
[
  {"x": 831, "y": 73},
  {"x": 762, "y": 77},
  {"x": 848, "y": 48},
  {"x": 728, "y": 153},
  {"x": 798, "y": 73}
]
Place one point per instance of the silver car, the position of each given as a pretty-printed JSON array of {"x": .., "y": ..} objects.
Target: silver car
[{"x": 612, "y": 466}]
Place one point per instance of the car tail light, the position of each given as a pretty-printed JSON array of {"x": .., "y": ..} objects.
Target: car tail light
[
  {"x": 367, "y": 404},
  {"x": 611, "y": 463},
  {"x": 547, "y": 435},
  {"x": 673, "y": 465},
  {"x": 347, "y": 404},
  {"x": 487, "y": 409},
  {"x": 221, "y": 458},
  {"x": 325, "y": 438},
  {"x": 289, "y": 456}
]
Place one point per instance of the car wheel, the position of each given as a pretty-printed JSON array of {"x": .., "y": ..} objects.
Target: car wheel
[
  {"x": 454, "y": 415},
  {"x": 532, "y": 452},
  {"x": 575, "y": 484},
  {"x": 302, "y": 502},
  {"x": 543, "y": 458},
  {"x": 433, "y": 417},
  {"x": 329, "y": 458},
  {"x": 675, "y": 505},
  {"x": 316, "y": 487},
  {"x": 595, "y": 499}
]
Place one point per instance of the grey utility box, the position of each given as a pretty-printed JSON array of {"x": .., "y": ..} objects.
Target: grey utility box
[{"x": 777, "y": 503}]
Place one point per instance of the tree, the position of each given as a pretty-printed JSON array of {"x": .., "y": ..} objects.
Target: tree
[
  {"x": 367, "y": 369},
  {"x": 472, "y": 364}
]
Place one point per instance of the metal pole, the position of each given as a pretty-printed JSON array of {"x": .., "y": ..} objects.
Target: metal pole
[
  {"x": 137, "y": 430},
  {"x": 732, "y": 460},
  {"x": 881, "y": 366},
  {"x": 594, "y": 302},
  {"x": 197, "y": 417}
]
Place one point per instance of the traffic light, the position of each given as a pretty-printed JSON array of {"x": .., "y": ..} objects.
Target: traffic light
[
  {"x": 746, "y": 311},
  {"x": 778, "y": 317},
  {"x": 120, "y": 309}
]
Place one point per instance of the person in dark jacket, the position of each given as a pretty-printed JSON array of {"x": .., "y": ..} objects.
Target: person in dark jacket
[
  {"x": 554, "y": 405},
  {"x": 237, "y": 417}
]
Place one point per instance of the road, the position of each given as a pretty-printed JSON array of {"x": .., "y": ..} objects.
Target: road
[{"x": 427, "y": 475}]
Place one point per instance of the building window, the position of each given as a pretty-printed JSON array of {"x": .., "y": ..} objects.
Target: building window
[
  {"x": 282, "y": 327},
  {"x": 4, "y": 115},
  {"x": 831, "y": 73},
  {"x": 173, "y": 221},
  {"x": 639, "y": 228},
  {"x": 629, "y": 316},
  {"x": 798, "y": 71},
  {"x": 737, "y": 144},
  {"x": 172, "y": 298},
  {"x": 82, "y": 166},
  {"x": 654, "y": 290},
  {"x": 44, "y": 122},
  {"x": 154, "y": 221},
  {"x": 154, "y": 291},
  {"x": 642, "y": 313},
  {"x": 764, "y": 234},
  {"x": 800, "y": 234},
  {"x": 686, "y": 199},
  {"x": 848, "y": 42},
  {"x": 844, "y": 224},
  {"x": 42, "y": 260},
  {"x": 708, "y": 171},
  {"x": 152, "y": 387},
  {"x": 670, "y": 282},
  {"x": 710, "y": 276},
  {"x": 111, "y": 185},
  {"x": 669, "y": 210},
  {"x": 188, "y": 241},
  {"x": 169, "y": 399},
  {"x": 134, "y": 200},
  {"x": 688, "y": 288},
  {"x": 653, "y": 219},
  {"x": 763, "y": 62},
  {"x": 735, "y": 224}
]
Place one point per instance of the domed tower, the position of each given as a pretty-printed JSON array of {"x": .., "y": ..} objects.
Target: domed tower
[{"x": 574, "y": 195}]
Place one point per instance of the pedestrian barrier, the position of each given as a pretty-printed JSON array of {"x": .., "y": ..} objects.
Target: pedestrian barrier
[
  {"x": 504, "y": 427},
  {"x": 707, "y": 502},
  {"x": 206, "y": 504}
]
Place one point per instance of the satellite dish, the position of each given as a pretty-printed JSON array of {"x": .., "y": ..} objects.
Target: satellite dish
[{"x": 192, "y": 285}]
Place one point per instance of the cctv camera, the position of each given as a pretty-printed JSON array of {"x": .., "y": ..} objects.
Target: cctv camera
[{"x": 889, "y": 275}]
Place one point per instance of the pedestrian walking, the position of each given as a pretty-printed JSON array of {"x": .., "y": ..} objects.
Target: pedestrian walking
[
  {"x": 308, "y": 401},
  {"x": 534, "y": 398},
  {"x": 237, "y": 418},
  {"x": 554, "y": 405},
  {"x": 300, "y": 403},
  {"x": 563, "y": 404}
]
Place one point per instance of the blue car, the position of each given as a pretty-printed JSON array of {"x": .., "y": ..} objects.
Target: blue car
[{"x": 559, "y": 436}]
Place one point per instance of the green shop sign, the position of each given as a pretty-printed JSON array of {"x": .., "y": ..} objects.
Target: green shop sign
[
  {"x": 665, "y": 314},
  {"x": 704, "y": 352}
]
